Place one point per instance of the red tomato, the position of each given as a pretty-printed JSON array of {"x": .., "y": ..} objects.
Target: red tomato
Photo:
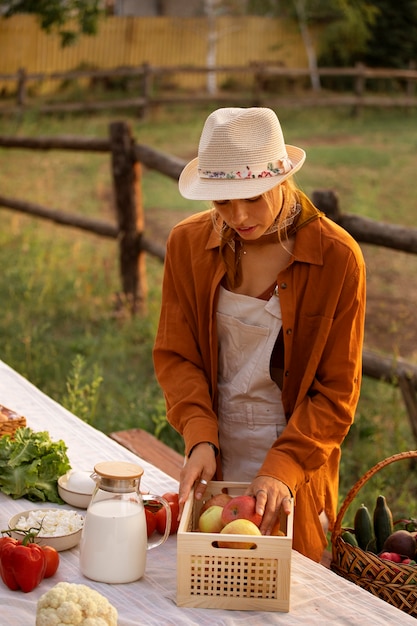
[
  {"x": 172, "y": 499},
  {"x": 52, "y": 560},
  {"x": 150, "y": 522}
]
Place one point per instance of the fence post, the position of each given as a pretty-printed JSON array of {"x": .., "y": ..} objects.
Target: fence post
[
  {"x": 410, "y": 84},
  {"x": 257, "y": 83},
  {"x": 130, "y": 216},
  {"x": 359, "y": 88},
  {"x": 21, "y": 86},
  {"x": 146, "y": 88}
]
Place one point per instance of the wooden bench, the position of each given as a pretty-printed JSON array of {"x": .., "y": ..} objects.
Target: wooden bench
[
  {"x": 165, "y": 458},
  {"x": 149, "y": 448}
]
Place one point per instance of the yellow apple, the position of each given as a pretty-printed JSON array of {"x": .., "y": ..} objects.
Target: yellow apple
[
  {"x": 210, "y": 521},
  {"x": 239, "y": 527}
]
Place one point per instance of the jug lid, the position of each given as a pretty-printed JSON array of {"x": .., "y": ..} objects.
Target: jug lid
[{"x": 118, "y": 470}]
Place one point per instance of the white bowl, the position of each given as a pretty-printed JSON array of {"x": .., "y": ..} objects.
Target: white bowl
[
  {"x": 76, "y": 488},
  {"x": 59, "y": 542}
]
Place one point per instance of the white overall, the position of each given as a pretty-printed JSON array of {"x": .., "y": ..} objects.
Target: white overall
[{"x": 250, "y": 411}]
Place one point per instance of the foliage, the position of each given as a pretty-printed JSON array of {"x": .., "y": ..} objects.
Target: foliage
[
  {"x": 58, "y": 14},
  {"x": 82, "y": 394},
  {"x": 59, "y": 322},
  {"x": 344, "y": 41},
  {"x": 393, "y": 38}
]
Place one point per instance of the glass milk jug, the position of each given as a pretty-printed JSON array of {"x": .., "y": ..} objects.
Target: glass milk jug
[{"x": 114, "y": 537}]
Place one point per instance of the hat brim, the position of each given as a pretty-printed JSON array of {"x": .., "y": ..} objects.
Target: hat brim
[{"x": 192, "y": 187}]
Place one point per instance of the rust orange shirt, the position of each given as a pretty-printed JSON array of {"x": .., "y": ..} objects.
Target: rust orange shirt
[{"x": 322, "y": 297}]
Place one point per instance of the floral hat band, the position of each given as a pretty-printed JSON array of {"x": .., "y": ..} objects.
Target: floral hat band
[
  {"x": 241, "y": 154},
  {"x": 282, "y": 166}
]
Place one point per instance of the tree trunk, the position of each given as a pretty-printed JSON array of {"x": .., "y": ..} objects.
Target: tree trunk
[
  {"x": 211, "y": 81},
  {"x": 300, "y": 8}
]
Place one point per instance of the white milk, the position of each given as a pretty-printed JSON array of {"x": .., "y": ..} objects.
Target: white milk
[{"x": 114, "y": 541}]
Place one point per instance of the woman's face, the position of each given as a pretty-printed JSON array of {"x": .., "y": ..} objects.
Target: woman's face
[{"x": 251, "y": 217}]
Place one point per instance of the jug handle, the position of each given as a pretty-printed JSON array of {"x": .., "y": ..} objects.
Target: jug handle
[{"x": 165, "y": 504}]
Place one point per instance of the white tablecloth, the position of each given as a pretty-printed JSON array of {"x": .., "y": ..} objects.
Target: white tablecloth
[{"x": 318, "y": 596}]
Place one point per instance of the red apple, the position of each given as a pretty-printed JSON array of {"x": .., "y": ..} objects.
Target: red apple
[
  {"x": 219, "y": 499},
  {"x": 172, "y": 499},
  {"x": 391, "y": 556},
  {"x": 241, "y": 507},
  {"x": 239, "y": 527},
  {"x": 210, "y": 521}
]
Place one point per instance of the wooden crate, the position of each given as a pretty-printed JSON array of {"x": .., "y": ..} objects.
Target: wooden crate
[{"x": 256, "y": 579}]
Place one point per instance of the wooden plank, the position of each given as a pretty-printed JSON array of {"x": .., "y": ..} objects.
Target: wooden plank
[{"x": 151, "y": 449}]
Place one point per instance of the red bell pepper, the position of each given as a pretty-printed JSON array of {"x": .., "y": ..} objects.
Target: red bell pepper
[
  {"x": 22, "y": 564},
  {"x": 7, "y": 576}
]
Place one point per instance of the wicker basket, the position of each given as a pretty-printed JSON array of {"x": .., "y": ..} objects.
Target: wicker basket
[
  {"x": 10, "y": 421},
  {"x": 392, "y": 582}
]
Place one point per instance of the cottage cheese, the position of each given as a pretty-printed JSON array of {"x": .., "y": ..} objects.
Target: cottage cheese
[{"x": 52, "y": 523}]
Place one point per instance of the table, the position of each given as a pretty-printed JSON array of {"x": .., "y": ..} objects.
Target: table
[{"x": 318, "y": 596}]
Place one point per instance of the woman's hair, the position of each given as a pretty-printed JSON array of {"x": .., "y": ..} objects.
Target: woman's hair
[{"x": 289, "y": 200}]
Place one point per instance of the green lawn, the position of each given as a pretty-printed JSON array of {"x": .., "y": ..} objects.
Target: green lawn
[{"x": 59, "y": 325}]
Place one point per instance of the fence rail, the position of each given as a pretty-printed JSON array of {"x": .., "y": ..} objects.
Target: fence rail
[
  {"x": 127, "y": 157},
  {"x": 260, "y": 90}
]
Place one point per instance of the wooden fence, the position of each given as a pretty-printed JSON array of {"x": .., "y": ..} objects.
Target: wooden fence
[
  {"x": 127, "y": 157},
  {"x": 269, "y": 84}
]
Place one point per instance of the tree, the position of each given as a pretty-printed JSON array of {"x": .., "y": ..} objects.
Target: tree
[
  {"x": 345, "y": 39},
  {"x": 393, "y": 39},
  {"x": 59, "y": 15},
  {"x": 302, "y": 16}
]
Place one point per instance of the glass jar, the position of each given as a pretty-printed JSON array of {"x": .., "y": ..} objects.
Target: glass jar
[{"x": 114, "y": 539}]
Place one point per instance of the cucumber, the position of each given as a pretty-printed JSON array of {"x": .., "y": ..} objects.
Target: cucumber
[
  {"x": 363, "y": 527},
  {"x": 349, "y": 537},
  {"x": 382, "y": 522}
]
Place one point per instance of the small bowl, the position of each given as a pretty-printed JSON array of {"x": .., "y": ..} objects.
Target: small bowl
[
  {"x": 76, "y": 488},
  {"x": 59, "y": 542}
]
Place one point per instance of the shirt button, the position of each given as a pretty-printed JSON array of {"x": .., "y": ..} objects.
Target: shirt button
[
  {"x": 289, "y": 331},
  {"x": 283, "y": 285},
  {"x": 287, "y": 373}
]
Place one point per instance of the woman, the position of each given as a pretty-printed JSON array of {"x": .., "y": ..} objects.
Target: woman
[{"x": 259, "y": 344}]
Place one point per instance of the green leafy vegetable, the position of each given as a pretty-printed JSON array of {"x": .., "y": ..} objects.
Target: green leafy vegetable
[{"x": 30, "y": 465}]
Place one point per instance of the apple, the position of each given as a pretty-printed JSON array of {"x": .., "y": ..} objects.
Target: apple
[
  {"x": 219, "y": 499},
  {"x": 172, "y": 499},
  {"x": 210, "y": 521},
  {"x": 241, "y": 507},
  {"x": 239, "y": 527},
  {"x": 391, "y": 556}
]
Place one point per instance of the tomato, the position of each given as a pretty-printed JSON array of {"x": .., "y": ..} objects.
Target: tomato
[
  {"x": 150, "y": 521},
  {"x": 52, "y": 560},
  {"x": 172, "y": 499}
]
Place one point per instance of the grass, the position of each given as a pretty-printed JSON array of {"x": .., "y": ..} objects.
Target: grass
[{"x": 59, "y": 325}]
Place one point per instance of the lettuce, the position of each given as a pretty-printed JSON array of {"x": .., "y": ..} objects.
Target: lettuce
[{"x": 30, "y": 465}]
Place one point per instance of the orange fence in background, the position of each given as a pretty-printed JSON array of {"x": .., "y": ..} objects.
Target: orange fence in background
[{"x": 158, "y": 41}]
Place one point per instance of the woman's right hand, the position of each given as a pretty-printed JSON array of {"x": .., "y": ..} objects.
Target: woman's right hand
[{"x": 200, "y": 466}]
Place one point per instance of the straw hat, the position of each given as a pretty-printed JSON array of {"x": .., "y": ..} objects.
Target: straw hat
[{"x": 241, "y": 154}]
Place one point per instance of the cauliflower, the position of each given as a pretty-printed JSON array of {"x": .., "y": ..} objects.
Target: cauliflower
[{"x": 74, "y": 605}]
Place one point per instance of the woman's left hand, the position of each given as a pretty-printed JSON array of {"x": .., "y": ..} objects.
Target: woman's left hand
[{"x": 270, "y": 494}]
